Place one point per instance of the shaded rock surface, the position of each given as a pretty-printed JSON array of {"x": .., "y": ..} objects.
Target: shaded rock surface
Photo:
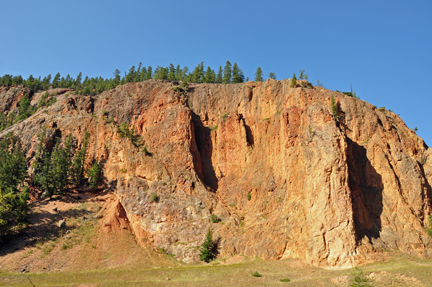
[{"x": 328, "y": 191}]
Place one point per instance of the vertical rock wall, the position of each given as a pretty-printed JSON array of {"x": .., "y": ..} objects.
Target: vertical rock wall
[{"x": 285, "y": 178}]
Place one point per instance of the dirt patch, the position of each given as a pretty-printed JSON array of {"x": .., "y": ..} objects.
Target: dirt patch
[
  {"x": 232, "y": 260},
  {"x": 382, "y": 278},
  {"x": 340, "y": 280},
  {"x": 77, "y": 232},
  {"x": 385, "y": 278}
]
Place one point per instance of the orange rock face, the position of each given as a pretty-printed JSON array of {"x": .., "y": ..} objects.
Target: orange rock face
[{"x": 284, "y": 177}]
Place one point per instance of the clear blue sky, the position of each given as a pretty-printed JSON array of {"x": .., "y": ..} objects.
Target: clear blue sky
[{"x": 383, "y": 48}]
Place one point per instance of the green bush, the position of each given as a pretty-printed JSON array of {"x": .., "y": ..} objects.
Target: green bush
[
  {"x": 359, "y": 279},
  {"x": 285, "y": 280},
  {"x": 226, "y": 115},
  {"x": 214, "y": 218},
  {"x": 249, "y": 196},
  {"x": 256, "y": 274},
  {"x": 124, "y": 132},
  {"x": 146, "y": 152},
  {"x": 154, "y": 197},
  {"x": 334, "y": 108},
  {"x": 293, "y": 81},
  {"x": 179, "y": 90}
]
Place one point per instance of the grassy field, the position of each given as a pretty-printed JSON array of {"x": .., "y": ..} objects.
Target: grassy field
[
  {"x": 401, "y": 270},
  {"x": 81, "y": 253}
]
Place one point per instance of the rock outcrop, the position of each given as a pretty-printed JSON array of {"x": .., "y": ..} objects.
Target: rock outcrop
[{"x": 285, "y": 178}]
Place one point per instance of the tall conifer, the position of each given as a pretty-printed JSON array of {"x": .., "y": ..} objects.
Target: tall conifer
[{"x": 227, "y": 73}]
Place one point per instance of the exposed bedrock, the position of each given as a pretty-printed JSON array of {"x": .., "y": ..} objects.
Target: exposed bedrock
[{"x": 284, "y": 176}]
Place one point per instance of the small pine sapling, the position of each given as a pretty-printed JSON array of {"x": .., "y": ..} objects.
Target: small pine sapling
[
  {"x": 206, "y": 250},
  {"x": 294, "y": 81},
  {"x": 334, "y": 108}
]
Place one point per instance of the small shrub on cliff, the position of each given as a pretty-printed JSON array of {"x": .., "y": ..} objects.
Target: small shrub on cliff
[
  {"x": 249, "y": 196},
  {"x": 124, "y": 132},
  {"x": 154, "y": 197},
  {"x": 146, "y": 152},
  {"x": 272, "y": 76},
  {"x": 206, "y": 250},
  {"x": 179, "y": 90},
  {"x": 294, "y": 81},
  {"x": 307, "y": 85},
  {"x": 334, "y": 108},
  {"x": 214, "y": 218}
]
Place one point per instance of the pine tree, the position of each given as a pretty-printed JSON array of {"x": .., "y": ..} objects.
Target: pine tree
[
  {"x": 30, "y": 83},
  {"x": 46, "y": 82},
  {"x": 138, "y": 73},
  {"x": 51, "y": 170},
  {"x": 293, "y": 81},
  {"x": 227, "y": 73},
  {"x": 130, "y": 75},
  {"x": 198, "y": 74},
  {"x": 178, "y": 73},
  {"x": 149, "y": 73},
  {"x": 206, "y": 250},
  {"x": 272, "y": 76},
  {"x": 60, "y": 160},
  {"x": 208, "y": 77},
  {"x": 334, "y": 108},
  {"x": 77, "y": 168},
  {"x": 301, "y": 77},
  {"x": 94, "y": 174},
  {"x": 259, "y": 75},
  {"x": 116, "y": 79},
  {"x": 185, "y": 73},
  {"x": 219, "y": 76},
  {"x": 171, "y": 73},
  {"x": 238, "y": 76},
  {"x": 25, "y": 109},
  {"x": 78, "y": 80},
  {"x": 160, "y": 73},
  {"x": 13, "y": 193},
  {"x": 143, "y": 74}
]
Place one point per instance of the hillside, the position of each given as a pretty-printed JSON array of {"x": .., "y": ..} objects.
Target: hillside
[{"x": 284, "y": 176}]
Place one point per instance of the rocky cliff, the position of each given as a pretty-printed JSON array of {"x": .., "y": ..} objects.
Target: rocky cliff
[{"x": 285, "y": 178}]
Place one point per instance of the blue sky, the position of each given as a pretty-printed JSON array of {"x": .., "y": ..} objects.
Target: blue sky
[{"x": 382, "y": 48}]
